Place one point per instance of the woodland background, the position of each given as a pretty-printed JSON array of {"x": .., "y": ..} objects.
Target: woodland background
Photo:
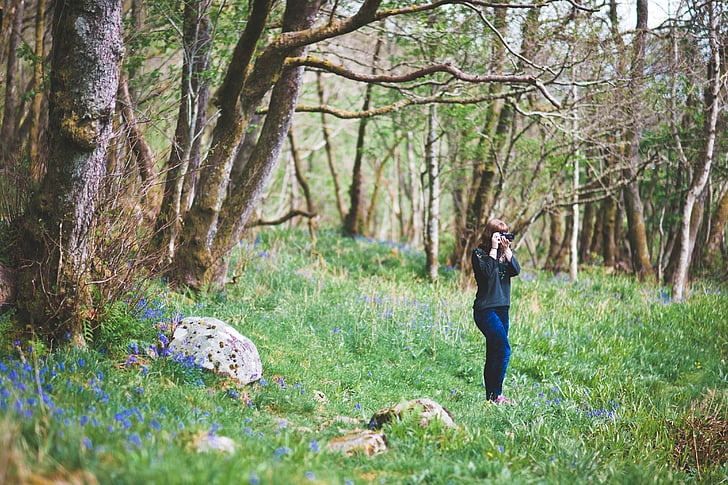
[{"x": 148, "y": 138}]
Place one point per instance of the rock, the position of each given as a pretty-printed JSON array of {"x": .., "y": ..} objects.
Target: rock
[
  {"x": 216, "y": 346},
  {"x": 204, "y": 442},
  {"x": 425, "y": 409},
  {"x": 366, "y": 441}
]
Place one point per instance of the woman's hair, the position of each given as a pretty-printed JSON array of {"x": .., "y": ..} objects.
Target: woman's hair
[{"x": 493, "y": 225}]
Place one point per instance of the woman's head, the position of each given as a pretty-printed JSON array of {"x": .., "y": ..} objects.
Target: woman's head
[{"x": 493, "y": 225}]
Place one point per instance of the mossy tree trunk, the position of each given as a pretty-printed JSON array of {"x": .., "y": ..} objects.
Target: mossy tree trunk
[
  {"x": 217, "y": 217},
  {"x": 637, "y": 231},
  {"x": 54, "y": 288}
]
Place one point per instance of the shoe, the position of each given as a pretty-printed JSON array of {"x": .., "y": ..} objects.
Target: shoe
[{"x": 503, "y": 400}]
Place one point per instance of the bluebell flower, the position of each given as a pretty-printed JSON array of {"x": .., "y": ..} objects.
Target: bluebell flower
[{"x": 282, "y": 451}]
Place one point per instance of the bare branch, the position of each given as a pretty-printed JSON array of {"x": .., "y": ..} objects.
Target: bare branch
[
  {"x": 344, "y": 114},
  {"x": 497, "y": 33},
  {"x": 291, "y": 214},
  {"x": 427, "y": 71},
  {"x": 368, "y": 13}
]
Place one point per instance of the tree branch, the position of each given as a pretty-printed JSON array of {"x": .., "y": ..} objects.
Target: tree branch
[
  {"x": 344, "y": 114},
  {"x": 369, "y": 13},
  {"x": 291, "y": 214},
  {"x": 427, "y": 71}
]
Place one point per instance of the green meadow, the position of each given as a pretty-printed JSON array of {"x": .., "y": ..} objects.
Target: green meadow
[{"x": 613, "y": 381}]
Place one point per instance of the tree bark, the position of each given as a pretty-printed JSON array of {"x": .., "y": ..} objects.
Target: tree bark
[
  {"x": 556, "y": 258},
  {"x": 54, "y": 291},
  {"x": 139, "y": 146},
  {"x": 609, "y": 231},
  {"x": 586, "y": 235},
  {"x": 413, "y": 191},
  {"x": 303, "y": 182}
]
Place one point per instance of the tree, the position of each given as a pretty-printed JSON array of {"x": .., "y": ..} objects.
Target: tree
[
  {"x": 185, "y": 153},
  {"x": 8, "y": 126},
  {"x": 701, "y": 172},
  {"x": 54, "y": 290},
  {"x": 633, "y": 201},
  {"x": 217, "y": 217}
]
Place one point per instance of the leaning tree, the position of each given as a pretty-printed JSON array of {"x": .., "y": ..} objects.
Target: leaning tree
[{"x": 265, "y": 76}]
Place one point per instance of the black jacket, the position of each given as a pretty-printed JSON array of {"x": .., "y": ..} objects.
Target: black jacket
[{"x": 494, "y": 280}]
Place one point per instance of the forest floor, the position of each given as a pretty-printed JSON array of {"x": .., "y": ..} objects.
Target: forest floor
[{"x": 612, "y": 381}]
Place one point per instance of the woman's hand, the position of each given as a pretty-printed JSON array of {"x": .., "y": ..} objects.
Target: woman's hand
[{"x": 495, "y": 240}]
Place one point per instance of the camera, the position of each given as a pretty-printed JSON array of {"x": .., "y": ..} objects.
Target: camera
[{"x": 507, "y": 235}]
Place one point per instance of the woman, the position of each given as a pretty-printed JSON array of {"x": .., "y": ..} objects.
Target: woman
[{"x": 494, "y": 265}]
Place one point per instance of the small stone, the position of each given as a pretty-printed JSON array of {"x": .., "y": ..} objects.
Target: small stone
[
  {"x": 205, "y": 442},
  {"x": 426, "y": 409},
  {"x": 368, "y": 442}
]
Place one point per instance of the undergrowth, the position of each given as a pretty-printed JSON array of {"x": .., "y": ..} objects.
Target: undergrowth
[{"x": 613, "y": 383}]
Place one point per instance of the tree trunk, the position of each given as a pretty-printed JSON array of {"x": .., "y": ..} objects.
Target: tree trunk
[
  {"x": 193, "y": 261},
  {"x": 54, "y": 291},
  {"x": 329, "y": 152},
  {"x": 379, "y": 181},
  {"x": 556, "y": 258},
  {"x": 184, "y": 158},
  {"x": 9, "y": 121},
  {"x": 37, "y": 163},
  {"x": 139, "y": 146},
  {"x": 413, "y": 192},
  {"x": 355, "y": 221},
  {"x": 609, "y": 231},
  {"x": 702, "y": 171},
  {"x": 588, "y": 230},
  {"x": 432, "y": 225},
  {"x": 713, "y": 253},
  {"x": 284, "y": 96},
  {"x": 301, "y": 178},
  {"x": 637, "y": 232},
  {"x": 633, "y": 201},
  {"x": 498, "y": 121}
]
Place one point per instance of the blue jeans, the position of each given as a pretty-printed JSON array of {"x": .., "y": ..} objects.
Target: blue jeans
[{"x": 493, "y": 323}]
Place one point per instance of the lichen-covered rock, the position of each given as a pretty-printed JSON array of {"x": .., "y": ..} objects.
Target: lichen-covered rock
[
  {"x": 216, "y": 346},
  {"x": 425, "y": 409},
  {"x": 367, "y": 442}
]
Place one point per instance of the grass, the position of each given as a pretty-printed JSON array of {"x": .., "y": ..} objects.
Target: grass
[{"x": 610, "y": 378}]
